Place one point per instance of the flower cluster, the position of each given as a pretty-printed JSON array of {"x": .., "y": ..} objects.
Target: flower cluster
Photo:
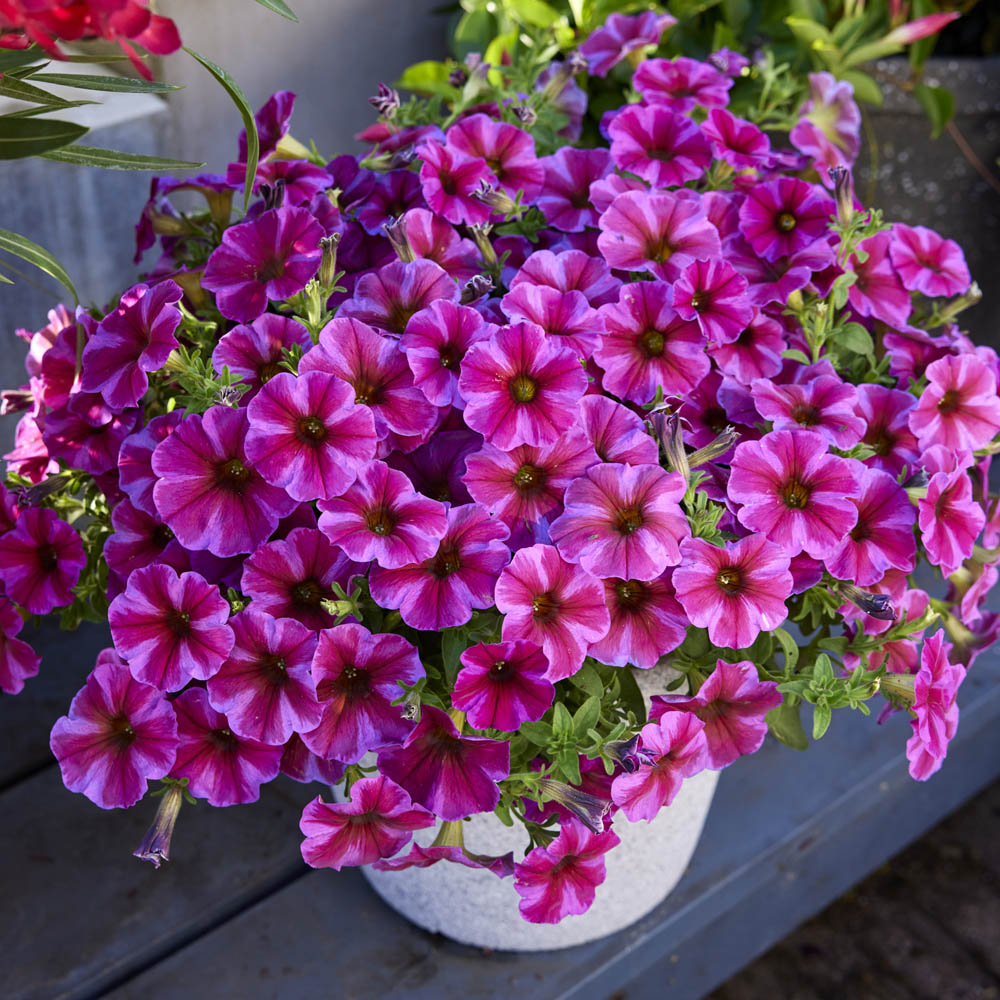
[{"x": 399, "y": 478}]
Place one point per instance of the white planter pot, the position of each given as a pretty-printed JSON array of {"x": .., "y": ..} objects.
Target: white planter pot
[{"x": 476, "y": 908}]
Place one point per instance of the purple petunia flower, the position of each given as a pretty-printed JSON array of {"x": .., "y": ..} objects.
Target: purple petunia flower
[
  {"x": 18, "y": 661},
  {"x": 565, "y": 198},
  {"x": 735, "y": 592},
  {"x": 927, "y": 262},
  {"x": 209, "y": 493},
  {"x": 86, "y": 433},
  {"x": 170, "y": 628},
  {"x": 377, "y": 822},
  {"x": 307, "y": 436},
  {"x": 357, "y": 675},
  {"x": 271, "y": 257},
  {"x": 502, "y": 685},
  {"x": 220, "y": 766},
  {"x": 566, "y": 317},
  {"x": 623, "y": 36},
  {"x": 569, "y": 271},
  {"x": 264, "y": 686},
  {"x": 959, "y": 408},
  {"x": 508, "y": 151},
  {"x": 712, "y": 294},
  {"x": 682, "y": 84},
  {"x": 255, "y": 351},
  {"x": 617, "y": 434},
  {"x": 755, "y": 353},
  {"x": 739, "y": 143},
  {"x": 561, "y": 879},
  {"x": 783, "y": 216},
  {"x": 935, "y": 689},
  {"x": 887, "y": 431},
  {"x": 135, "y": 459},
  {"x": 392, "y": 195},
  {"x": 141, "y": 539},
  {"x": 662, "y": 147},
  {"x": 442, "y": 591},
  {"x": 823, "y": 404},
  {"x": 130, "y": 341},
  {"x": 449, "y": 177},
  {"x": 453, "y": 776},
  {"x": 623, "y": 521},
  {"x": 118, "y": 735},
  {"x": 878, "y": 292},
  {"x": 41, "y": 559}
]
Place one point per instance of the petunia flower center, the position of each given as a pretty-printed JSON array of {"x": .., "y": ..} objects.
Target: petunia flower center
[
  {"x": 353, "y": 682},
  {"x": 446, "y": 562},
  {"x": 380, "y": 521},
  {"x": 501, "y": 670},
  {"x": 882, "y": 444},
  {"x": 310, "y": 430},
  {"x": 715, "y": 419},
  {"x": 730, "y": 579},
  {"x": 224, "y": 739},
  {"x": 267, "y": 372},
  {"x": 652, "y": 343},
  {"x": 700, "y": 300},
  {"x": 523, "y": 388},
  {"x": 806, "y": 415},
  {"x": 120, "y": 731},
  {"x": 47, "y": 558},
  {"x": 632, "y": 594},
  {"x": 274, "y": 670},
  {"x": 860, "y": 532},
  {"x": 544, "y": 607},
  {"x": 450, "y": 356},
  {"x": 949, "y": 402},
  {"x": 660, "y": 252},
  {"x": 162, "y": 536},
  {"x": 270, "y": 270},
  {"x": 179, "y": 622},
  {"x": 795, "y": 494},
  {"x": 307, "y": 593},
  {"x": 366, "y": 393},
  {"x": 529, "y": 478},
  {"x": 628, "y": 520},
  {"x": 233, "y": 474},
  {"x": 786, "y": 222}
]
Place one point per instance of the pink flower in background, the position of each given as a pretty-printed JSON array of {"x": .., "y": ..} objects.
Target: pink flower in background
[
  {"x": 824, "y": 404},
  {"x": 885, "y": 414},
  {"x": 959, "y": 408},
  {"x": 508, "y": 151},
  {"x": 878, "y": 292},
  {"x": 502, "y": 685},
  {"x": 449, "y": 177},
  {"x": 119, "y": 734},
  {"x": 927, "y": 262},
  {"x": 681, "y": 84},
  {"x": 950, "y": 520},
  {"x": 658, "y": 145},
  {"x": 621, "y": 36},
  {"x": 570, "y": 271},
  {"x": 377, "y": 822},
  {"x": 732, "y": 703},
  {"x": 18, "y": 661},
  {"x": 566, "y": 317},
  {"x": 784, "y": 216},
  {"x": 432, "y": 238},
  {"x": 617, "y": 434},
  {"x": 829, "y": 126},
  {"x": 561, "y": 879},
  {"x": 220, "y": 766},
  {"x": 41, "y": 559},
  {"x": 740, "y": 143},
  {"x": 86, "y": 433},
  {"x": 255, "y": 351},
  {"x": 712, "y": 294},
  {"x": 565, "y": 198},
  {"x": 935, "y": 689}
]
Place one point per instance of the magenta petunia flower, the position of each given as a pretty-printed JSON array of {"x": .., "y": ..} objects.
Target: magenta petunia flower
[
  {"x": 18, "y": 661},
  {"x": 566, "y": 317},
  {"x": 829, "y": 126},
  {"x": 712, "y": 294},
  {"x": 660, "y": 146},
  {"x": 617, "y": 434},
  {"x": 676, "y": 748},
  {"x": 435, "y": 342},
  {"x": 561, "y": 879},
  {"x": 170, "y": 628},
  {"x": 271, "y": 257},
  {"x": 623, "y": 36},
  {"x": 565, "y": 197},
  {"x": 255, "y": 351},
  {"x": 86, "y": 433},
  {"x": 508, "y": 151},
  {"x": 382, "y": 518},
  {"x": 135, "y": 459},
  {"x": 950, "y": 520},
  {"x": 823, "y": 404},
  {"x": 118, "y": 735},
  {"x": 308, "y": 436},
  {"x": 357, "y": 675},
  {"x": 661, "y": 233},
  {"x": 130, "y": 341},
  {"x": 604, "y": 191},
  {"x": 264, "y": 687},
  {"x": 885, "y": 412},
  {"x": 935, "y": 689},
  {"x": 646, "y": 622},
  {"x": 926, "y": 262},
  {"x": 623, "y": 521},
  {"x": 442, "y": 591},
  {"x": 521, "y": 387},
  {"x": 392, "y": 194},
  {"x": 785, "y": 215},
  {"x": 878, "y": 292},
  {"x": 755, "y": 353},
  {"x": 220, "y": 766},
  {"x": 291, "y": 577},
  {"x": 569, "y": 271},
  {"x": 432, "y": 238},
  {"x": 883, "y": 537},
  {"x": 141, "y": 539},
  {"x": 735, "y": 592},
  {"x": 301, "y": 764},
  {"x": 647, "y": 345},
  {"x": 41, "y": 559},
  {"x": 739, "y": 143},
  {"x": 376, "y": 369},
  {"x": 682, "y": 84},
  {"x": 959, "y": 408},
  {"x": 794, "y": 491},
  {"x": 502, "y": 685},
  {"x": 377, "y": 822},
  {"x": 449, "y": 177},
  {"x": 556, "y": 604},
  {"x": 209, "y": 493},
  {"x": 732, "y": 703},
  {"x": 453, "y": 776}
]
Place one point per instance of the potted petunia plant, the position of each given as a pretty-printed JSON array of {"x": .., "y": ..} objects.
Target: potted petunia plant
[{"x": 512, "y": 488}]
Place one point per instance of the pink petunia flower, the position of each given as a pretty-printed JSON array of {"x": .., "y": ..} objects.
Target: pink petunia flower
[
  {"x": 453, "y": 776},
  {"x": 449, "y": 177},
  {"x": 566, "y": 317},
  {"x": 794, "y": 491},
  {"x": 424, "y": 857},
  {"x": 302, "y": 765},
  {"x": 41, "y": 559},
  {"x": 432, "y": 238},
  {"x": 86, "y": 433},
  {"x": 926, "y": 262},
  {"x": 829, "y": 126},
  {"x": 357, "y": 675},
  {"x": 682, "y": 84},
  {"x": 509, "y": 152},
  {"x": 959, "y": 408},
  {"x": 647, "y": 345},
  {"x": 712, "y": 294},
  {"x": 935, "y": 689},
  {"x": 377, "y": 822},
  {"x": 660, "y": 146},
  {"x": 739, "y": 143},
  {"x": 623, "y": 36},
  {"x": 18, "y": 661},
  {"x": 118, "y": 735},
  {"x": 885, "y": 413},
  {"x": 878, "y": 292},
  {"x": 562, "y": 879},
  {"x": 783, "y": 216},
  {"x": 264, "y": 686},
  {"x": 255, "y": 351},
  {"x": 617, "y": 434},
  {"x": 442, "y": 591},
  {"x": 502, "y": 685},
  {"x": 135, "y": 459},
  {"x": 950, "y": 520},
  {"x": 676, "y": 748},
  {"x": 623, "y": 521},
  {"x": 272, "y": 257},
  {"x": 170, "y": 628},
  {"x": 569, "y": 271},
  {"x": 565, "y": 198},
  {"x": 735, "y": 592},
  {"x": 220, "y": 766},
  {"x": 732, "y": 703},
  {"x": 755, "y": 353},
  {"x": 141, "y": 539},
  {"x": 130, "y": 341},
  {"x": 556, "y": 604},
  {"x": 521, "y": 387},
  {"x": 823, "y": 404}
]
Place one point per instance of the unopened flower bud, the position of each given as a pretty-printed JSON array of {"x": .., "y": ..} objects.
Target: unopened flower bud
[
  {"x": 403, "y": 156},
  {"x": 715, "y": 448},
  {"x": 328, "y": 262},
  {"x": 155, "y": 846},
  {"x": 843, "y": 190},
  {"x": 877, "y": 605},
  {"x": 410, "y": 709},
  {"x": 458, "y": 76},
  {"x": 526, "y": 114},
  {"x": 481, "y": 237},
  {"x": 897, "y": 688},
  {"x": 396, "y": 233},
  {"x": 625, "y": 753},
  {"x": 386, "y": 101},
  {"x": 166, "y": 225},
  {"x": 672, "y": 439},
  {"x": 587, "y": 808},
  {"x": 32, "y": 496},
  {"x": 475, "y": 65},
  {"x": 916, "y": 485},
  {"x": 14, "y": 401},
  {"x": 475, "y": 288},
  {"x": 497, "y": 200}
]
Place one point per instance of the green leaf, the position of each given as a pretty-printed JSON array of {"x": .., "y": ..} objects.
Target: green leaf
[
  {"x": 789, "y": 647},
  {"x": 785, "y": 723},
  {"x": 19, "y": 90},
  {"x": 939, "y": 105},
  {"x": 453, "y": 644},
  {"x": 112, "y": 159},
  {"x": 854, "y": 337},
  {"x": 22, "y": 247},
  {"x": 279, "y": 7},
  {"x": 870, "y": 52},
  {"x": 808, "y": 31},
  {"x": 4, "y": 280},
  {"x": 586, "y": 716},
  {"x": 737, "y": 12},
  {"x": 821, "y": 719},
  {"x": 794, "y": 354},
  {"x": 562, "y": 721},
  {"x": 822, "y": 669},
  {"x": 631, "y": 696},
  {"x": 864, "y": 86},
  {"x": 15, "y": 58},
  {"x": 232, "y": 88},
  {"x": 495, "y": 50},
  {"x": 587, "y": 679},
  {"x": 577, "y": 10},
  {"x": 111, "y": 84},
  {"x": 538, "y": 733},
  {"x": 20, "y": 137},
  {"x": 428, "y": 77},
  {"x": 473, "y": 32},
  {"x": 568, "y": 761},
  {"x": 534, "y": 12}
]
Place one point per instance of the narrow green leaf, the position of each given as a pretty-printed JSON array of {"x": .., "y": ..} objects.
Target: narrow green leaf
[
  {"x": 112, "y": 159},
  {"x": 631, "y": 695},
  {"x": 21, "y": 246},
  {"x": 20, "y": 137},
  {"x": 870, "y": 52},
  {"x": 808, "y": 31},
  {"x": 279, "y": 7},
  {"x": 19, "y": 90},
  {"x": 232, "y": 88},
  {"x": 939, "y": 105},
  {"x": 111, "y": 84},
  {"x": 562, "y": 721},
  {"x": 14, "y": 58},
  {"x": 785, "y": 724},
  {"x": 473, "y": 32},
  {"x": 4, "y": 280},
  {"x": 428, "y": 77},
  {"x": 789, "y": 647}
]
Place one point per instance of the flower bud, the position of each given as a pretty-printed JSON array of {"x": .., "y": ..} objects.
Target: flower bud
[
  {"x": 587, "y": 808},
  {"x": 625, "y": 753},
  {"x": 672, "y": 441},
  {"x": 475, "y": 288},
  {"x": 494, "y": 199},
  {"x": 715, "y": 448},
  {"x": 877, "y": 605},
  {"x": 897, "y": 688},
  {"x": 386, "y": 101},
  {"x": 328, "y": 262},
  {"x": 922, "y": 27},
  {"x": 481, "y": 237},
  {"x": 155, "y": 846},
  {"x": 843, "y": 190},
  {"x": 395, "y": 231}
]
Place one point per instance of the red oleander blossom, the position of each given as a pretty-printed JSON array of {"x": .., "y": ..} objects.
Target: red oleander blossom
[{"x": 41, "y": 559}]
